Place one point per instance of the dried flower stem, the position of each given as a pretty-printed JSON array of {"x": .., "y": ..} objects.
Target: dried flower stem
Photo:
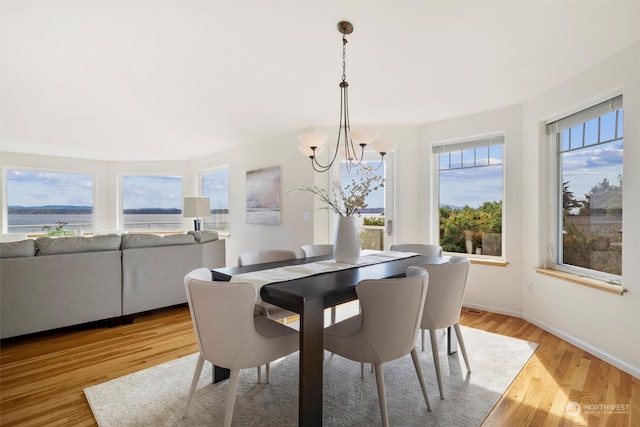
[{"x": 353, "y": 196}]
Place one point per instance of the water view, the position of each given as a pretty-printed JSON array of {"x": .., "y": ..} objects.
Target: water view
[{"x": 33, "y": 223}]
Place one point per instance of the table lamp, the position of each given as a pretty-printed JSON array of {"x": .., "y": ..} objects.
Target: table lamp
[{"x": 196, "y": 207}]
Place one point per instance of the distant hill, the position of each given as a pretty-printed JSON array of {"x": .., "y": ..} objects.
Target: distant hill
[
  {"x": 49, "y": 209},
  {"x": 70, "y": 209}
]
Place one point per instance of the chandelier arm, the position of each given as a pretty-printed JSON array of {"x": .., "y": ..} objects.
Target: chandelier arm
[
  {"x": 319, "y": 167},
  {"x": 351, "y": 155},
  {"x": 381, "y": 162}
]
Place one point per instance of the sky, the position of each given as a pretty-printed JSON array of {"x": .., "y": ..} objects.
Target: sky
[
  {"x": 215, "y": 186},
  {"x": 585, "y": 168},
  {"x": 151, "y": 192},
  {"x": 37, "y": 188},
  {"x": 466, "y": 186}
]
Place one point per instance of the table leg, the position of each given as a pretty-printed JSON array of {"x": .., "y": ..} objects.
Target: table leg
[
  {"x": 311, "y": 360},
  {"x": 452, "y": 341},
  {"x": 220, "y": 374}
]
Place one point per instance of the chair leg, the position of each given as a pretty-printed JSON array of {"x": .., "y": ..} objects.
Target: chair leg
[
  {"x": 416, "y": 363},
  {"x": 194, "y": 382},
  {"x": 361, "y": 370},
  {"x": 268, "y": 372},
  {"x": 382, "y": 396},
  {"x": 436, "y": 359},
  {"x": 231, "y": 397},
  {"x": 462, "y": 347},
  {"x": 422, "y": 333},
  {"x": 333, "y": 314},
  {"x": 259, "y": 369}
]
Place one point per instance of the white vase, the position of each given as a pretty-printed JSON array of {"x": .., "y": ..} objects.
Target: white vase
[{"x": 346, "y": 244}]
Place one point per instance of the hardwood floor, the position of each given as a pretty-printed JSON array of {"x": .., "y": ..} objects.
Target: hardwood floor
[{"x": 42, "y": 377}]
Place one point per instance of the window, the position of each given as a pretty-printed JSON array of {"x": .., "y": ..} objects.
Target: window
[
  {"x": 589, "y": 191},
  {"x": 47, "y": 202},
  {"x": 371, "y": 220},
  {"x": 215, "y": 186},
  {"x": 151, "y": 203},
  {"x": 470, "y": 177}
]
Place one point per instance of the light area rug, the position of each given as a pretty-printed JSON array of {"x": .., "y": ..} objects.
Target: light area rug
[{"x": 157, "y": 396}]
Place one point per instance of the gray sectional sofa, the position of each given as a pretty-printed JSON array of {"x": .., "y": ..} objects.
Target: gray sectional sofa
[{"x": 49, "y": 283}]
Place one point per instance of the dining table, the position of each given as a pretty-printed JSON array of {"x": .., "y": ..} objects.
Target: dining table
[{"x": 309, "y": 296}]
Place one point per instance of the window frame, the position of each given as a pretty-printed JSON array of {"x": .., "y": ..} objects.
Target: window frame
[
  {"x": 463, "y": 144},
  {"x": 5, "y": 192},
  {"x": 200, "y": 175},
  {"x": 120, "y": 206},
  {"x": 554, "y": 129}
]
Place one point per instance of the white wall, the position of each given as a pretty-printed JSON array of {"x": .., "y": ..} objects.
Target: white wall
[
  {"x": 293, "y": 231},
  {"x": 607, "y": 325},
  {"x": 493, "y": 288}
]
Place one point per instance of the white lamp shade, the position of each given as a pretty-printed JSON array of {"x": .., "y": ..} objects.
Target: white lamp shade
[
  {"x": 363, "y": 136},
  {"x": 313, "y": 139},
  {"x": 385, "y": 146},
  {"x": 308, "y": 151},
  {"x": 195, "y": 207}
]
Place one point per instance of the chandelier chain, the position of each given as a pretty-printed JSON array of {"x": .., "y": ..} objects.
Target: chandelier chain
[{"x": 344, "y": 57}]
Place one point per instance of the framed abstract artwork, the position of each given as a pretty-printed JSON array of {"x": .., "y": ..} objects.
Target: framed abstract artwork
[{"x": 263, "y": 196}]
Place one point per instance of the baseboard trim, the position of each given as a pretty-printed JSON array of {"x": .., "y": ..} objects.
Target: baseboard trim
[
  {"x": 620, "y": 364},
  {"x": 496, "y": 310}
]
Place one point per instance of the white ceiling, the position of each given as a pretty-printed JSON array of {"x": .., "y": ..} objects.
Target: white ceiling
[{"x": 176, "y": 79}]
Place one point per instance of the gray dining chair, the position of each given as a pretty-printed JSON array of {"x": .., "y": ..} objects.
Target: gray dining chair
[
  {"x": 309, "y": 251},
  {"x": 318, "y": 250},
  {"x": 447, "y": 283},
  {"x": 270, "y": 311},
  {"x": 229, "y": 335},
  {"x": 419, "y": 248},
  {"x": 386, "y": 329}
]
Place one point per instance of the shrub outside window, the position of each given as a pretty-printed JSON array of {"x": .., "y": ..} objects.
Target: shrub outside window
[{"x": 470, "y": 194}]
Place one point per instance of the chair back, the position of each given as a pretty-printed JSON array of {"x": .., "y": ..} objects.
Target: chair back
[
  {"x": 447, "y": 283},
  {"x": 260, "y": 257},
  {"x": 419, "y": 248},
  {"x": 222, "y": 316},
  {"x": 391, "y": 312},
  {"x": 316, "y": 250}
]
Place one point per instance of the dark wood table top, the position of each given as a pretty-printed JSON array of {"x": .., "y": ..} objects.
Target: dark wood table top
[{"x": 335, "y": 287}]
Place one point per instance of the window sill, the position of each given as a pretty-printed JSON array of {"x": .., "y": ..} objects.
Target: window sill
[
  {"x": 490, "y": 262},
  {"x": 584, "y": 281}
]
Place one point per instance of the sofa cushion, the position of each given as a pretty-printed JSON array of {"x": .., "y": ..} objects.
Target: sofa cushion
[
  {"x": 130, "y": 241},
  {"x": 23, "y": 248},
  {"x": 68, "y": 245},
  {"x": 204, "y": 236}
]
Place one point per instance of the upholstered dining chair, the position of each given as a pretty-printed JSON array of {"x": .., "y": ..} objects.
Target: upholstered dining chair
[
  {"x": 270, "y": 311},
  {"x": 268, "y": 255},
  {"x": 421, "y": 249},
  {"x": 447, "y": 283},
  {"x": 228, "y": 333},
  {"x": 318, "y": 250},
  {"x": 386, "y": 329}
]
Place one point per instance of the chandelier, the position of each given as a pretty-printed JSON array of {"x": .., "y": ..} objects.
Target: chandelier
[{"x": 312, "y": 144}]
